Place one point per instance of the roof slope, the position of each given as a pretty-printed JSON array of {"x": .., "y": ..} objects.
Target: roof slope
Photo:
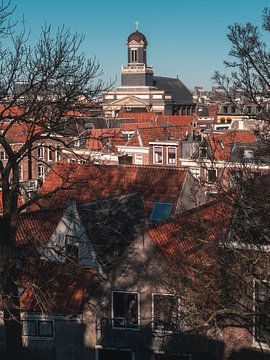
[
  {"x": 174, "y": 87},
  {"x": 91, "y": 182},
  {"x": 222, "y": 143}
]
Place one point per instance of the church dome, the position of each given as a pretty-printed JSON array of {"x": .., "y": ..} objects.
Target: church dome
[{"x": 137, "y": 36}]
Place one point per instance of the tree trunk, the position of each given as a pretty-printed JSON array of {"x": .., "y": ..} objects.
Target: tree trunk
[{"x": 11, "y": 303}]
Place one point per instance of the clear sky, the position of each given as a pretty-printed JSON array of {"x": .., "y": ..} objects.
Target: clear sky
[{"x": 186, "y": 37}]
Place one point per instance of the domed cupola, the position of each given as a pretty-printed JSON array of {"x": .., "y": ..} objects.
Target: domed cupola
[
  {"x": 137, "y": 44},
  {"x": 137, "y": 37}
]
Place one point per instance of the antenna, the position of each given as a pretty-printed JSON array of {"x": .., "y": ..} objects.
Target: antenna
[{"x": 137, "y": 25}]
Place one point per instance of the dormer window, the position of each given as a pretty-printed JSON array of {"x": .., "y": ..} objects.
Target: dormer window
[
  {"x": 158, "y": 155},
  {"x": 171, "y": 155}
]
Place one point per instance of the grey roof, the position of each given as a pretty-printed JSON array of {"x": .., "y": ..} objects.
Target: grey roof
[
  {"x": 112, "y": 224},
  {"x": 174, "y": 87}
]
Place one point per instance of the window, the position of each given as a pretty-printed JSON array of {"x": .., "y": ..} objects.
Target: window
[
  {"x": 50, "y": 154},
  {"x": 72, "y": 249},
  {"x": 138, "y": 159},
  {"x": 72, "y": 253},
  {"x": 41, "y": 152},
  {"x": 202, "y": 153},
  {"x": 165, "y": 312},
  {"x": 171, "y": 151},
  {"x": 134, "y": 55},
  {"x": 212, "y": 176},
  {"x": 3, "y": 155},
  {"x": 37, "y": 328},
  {"x": 161, "y": 211},
  {"x": 41, "y": 171},
  {"x": 58, "y": 154},
  {"x": 262, "y": 318},
  {"x": 158, "y": 155},
  {"x": 225, "y": 109},
  {"x": 21, "y": 172},
  {"x": 195, "y": 172},
  {"x": 125, "y": 310}
]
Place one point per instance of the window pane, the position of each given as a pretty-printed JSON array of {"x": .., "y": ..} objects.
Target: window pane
[
  {"x": 125, "y": 310},
  {"x": 171, "y": 155},
  {"x": 161, "y": 211},
  {"x": 212, "y": 175},
  {"x": 262, "y": 319},
  {"x": 158, "y": 155},
  {"x": 165, "y": 312},
  {"x": 29, "y": 328},
  {"x": 45, "y": 328}
]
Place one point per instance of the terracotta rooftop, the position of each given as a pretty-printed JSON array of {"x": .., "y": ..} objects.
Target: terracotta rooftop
[
  {"x": 222, "y": 143},
  {"x": 61, "y": 290},
  {"x": 179, "y": 120},
  {"x": 143, "y": 136},
  {"x": 104, "y": 139},
  {"x": 37, "y": 226},
  {"x": 90, "y": 182}
]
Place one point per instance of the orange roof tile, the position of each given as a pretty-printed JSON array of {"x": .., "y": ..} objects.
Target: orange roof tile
[
  {"x": 61, "y": 288},
  {"x": 221, "y": 143},
  {"x": 90, "y": 182},
  {"x": 104, "y": 139},
  {"x": 38, "y": 226},
  {"x": 157, "y": 133}
]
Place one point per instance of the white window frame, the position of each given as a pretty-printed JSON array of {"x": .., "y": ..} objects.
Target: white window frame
[
  {"x": 49, "y": 153},
  {"x": 41, "y": 152},
  {"x": 138, "y": 159},
  {"x": 139, "y": 310},
  {"x": 154, "y": 154},
  {"x": 57, "y": 154},
  {"x": 41, "y": 176},
  {"x": 5, "y": 156},
  {"x": 21, "y": 172},
  {"x": 153, "y": 312},
  {"x": 175, "y": 159},
  {"x": 134, "y": 55}
]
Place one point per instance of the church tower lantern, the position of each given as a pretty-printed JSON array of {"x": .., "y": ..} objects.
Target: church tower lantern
[
  {"x": 137, "y": 45},
  {"x": 136, "y": 72}
]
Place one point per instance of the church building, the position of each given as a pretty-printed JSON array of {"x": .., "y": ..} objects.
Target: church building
[{"x": 141, "y": 91}]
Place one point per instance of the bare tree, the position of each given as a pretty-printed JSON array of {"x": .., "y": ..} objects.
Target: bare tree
[{"x": 39, "y": 85}]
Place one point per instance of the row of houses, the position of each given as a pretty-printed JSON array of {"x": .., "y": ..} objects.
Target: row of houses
[{"x": 118, "y": 264}]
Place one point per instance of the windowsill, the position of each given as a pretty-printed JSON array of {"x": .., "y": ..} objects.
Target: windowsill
[
  {"x": 38, "y": 338},
  {"x": 126, "y": 328}
]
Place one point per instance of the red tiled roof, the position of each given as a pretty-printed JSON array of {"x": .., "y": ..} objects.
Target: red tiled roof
[
  {"x": 20, "y": 132},
  {"x": 139, "y": 117},
  {"x": 104, "y": 139},
  {"x": 157, "y": 133},
  {"x": 221, "y": 143},
  {"x": 90, "y": 182},
  {"x": 190, "y": 244},
  {"x": 135, "y": 125},
  {"x": 53, "y": 287},
  {"x": 192, "y": 234},
  {"x": 179, "y": 120},
  {"x": 38, "y": 226},
  {"x": 13, "y": 111}
]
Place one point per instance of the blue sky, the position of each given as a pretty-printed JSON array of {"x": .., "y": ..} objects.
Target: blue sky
[{"x": 186, "y": 37}]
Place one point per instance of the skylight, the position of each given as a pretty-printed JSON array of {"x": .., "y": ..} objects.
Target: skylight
[{"x": 161, "y": 211}]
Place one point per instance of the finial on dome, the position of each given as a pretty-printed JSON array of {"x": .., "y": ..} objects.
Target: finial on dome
[{"x": 137, "y": 25}]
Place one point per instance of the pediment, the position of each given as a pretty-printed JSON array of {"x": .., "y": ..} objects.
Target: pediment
[{"x": 129, "y": 101}]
